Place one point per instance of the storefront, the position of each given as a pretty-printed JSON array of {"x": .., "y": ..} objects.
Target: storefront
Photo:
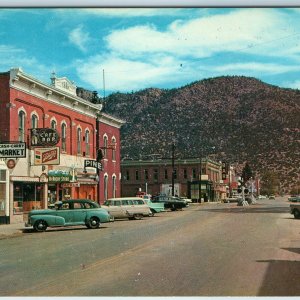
[{"x": 4, "y": 194}]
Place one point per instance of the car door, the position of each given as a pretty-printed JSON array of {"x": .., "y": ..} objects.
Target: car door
[
  {"x": 66, "y": 212},
  {"x": 115, "y": 209},
  {"x": 79, "y": 213}
]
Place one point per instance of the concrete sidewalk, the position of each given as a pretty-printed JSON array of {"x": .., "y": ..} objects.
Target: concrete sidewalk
[{"x": 7, "y": 230}]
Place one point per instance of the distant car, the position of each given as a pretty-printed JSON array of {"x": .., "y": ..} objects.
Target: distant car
[
  {"x": 127, "y": 207},
  {"x": 68, "y": 213},
  {"x": 260, "y": 197},
  {"x": 295, "y": 210},
  {"x": 272, "y": 197},
  {"x": 173, "y": 203},
  {"x": 231, "y": 199},
  {"x": 294, "y": 199},
  {"x": 186, "y": 200}
]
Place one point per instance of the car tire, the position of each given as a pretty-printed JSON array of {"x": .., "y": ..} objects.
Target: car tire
[
  {"x": 138, "y": 217},
  {"x": 94, "y": 223},
  {"x": 152, "y": 212},
  {"x": 296, "y": 214},
  {"x": 40, "y": 225}
]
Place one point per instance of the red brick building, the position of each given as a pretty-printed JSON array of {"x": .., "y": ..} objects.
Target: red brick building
[
  {"x": 27, "y": 103},
  {"x": 155, "y": 176}
]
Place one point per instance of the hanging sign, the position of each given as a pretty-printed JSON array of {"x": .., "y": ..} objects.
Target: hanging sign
[
  {"x": 12, "y": 150},
  {"x": 89, "y": 163},
  {"x": 44, "y": 137}
]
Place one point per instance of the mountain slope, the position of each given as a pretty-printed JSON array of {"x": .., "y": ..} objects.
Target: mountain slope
[{"x": 243, "y": 118}]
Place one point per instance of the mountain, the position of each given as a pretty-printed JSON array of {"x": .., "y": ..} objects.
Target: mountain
[{"x": 233, "y": 118}]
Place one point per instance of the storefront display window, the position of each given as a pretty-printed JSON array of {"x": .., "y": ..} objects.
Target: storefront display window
[{"x": 27, "y": 196}]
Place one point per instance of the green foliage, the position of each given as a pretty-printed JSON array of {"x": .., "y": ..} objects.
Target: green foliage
[
  {"x": 247, "y": 173},
  {"x": 269, "y": 183}
]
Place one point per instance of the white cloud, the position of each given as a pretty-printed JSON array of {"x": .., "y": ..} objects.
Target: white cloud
[
  {"x": 79, "y": 38},
  {"x": 236, "y": 31}
]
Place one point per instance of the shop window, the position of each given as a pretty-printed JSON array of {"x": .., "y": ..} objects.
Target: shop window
[
  {"x": 2, "y": 192},
  {"x": 27, "y": 196}
]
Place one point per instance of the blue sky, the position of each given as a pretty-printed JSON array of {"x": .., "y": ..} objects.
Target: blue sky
[{"x": 151, "y": 47}]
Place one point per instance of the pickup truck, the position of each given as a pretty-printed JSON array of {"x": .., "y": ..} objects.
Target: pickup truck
[{"x": 295, "y": 210}]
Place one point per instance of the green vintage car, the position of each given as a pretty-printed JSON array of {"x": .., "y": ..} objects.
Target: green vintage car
[{"x": 68, "y": 213}]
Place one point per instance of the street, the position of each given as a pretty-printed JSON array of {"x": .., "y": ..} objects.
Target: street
[{"x": 211, "y": 249}]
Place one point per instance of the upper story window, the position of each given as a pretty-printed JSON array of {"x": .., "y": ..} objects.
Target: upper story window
[
  {"x": 21, "y": 126},
  {"x": 137, "y": 175},
  {"x": 146, "y": 174},
  {"x": 87, "y": 143},
  {"x": 79, "y": 137},
  {"x": 113, "y": 142},
  {"x": 63, "y": 137},
  {"x": 166, "y": 173},
  {"x": 105, "y": 142},
  {"x": 185, "y": 173},
  {"x": 155, "y": 174},
  {"x": 175, "y": 173},
  {"x": 194, "y": 173},
  {"x": 34, "y": 121},
  {"x": 53, "y": 124}
]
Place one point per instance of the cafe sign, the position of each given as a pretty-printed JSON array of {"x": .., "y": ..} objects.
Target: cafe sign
[{"x": 44, "y": 137}]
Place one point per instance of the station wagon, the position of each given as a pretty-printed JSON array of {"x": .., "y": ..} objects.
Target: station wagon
[{"x": 131, "y": 208}]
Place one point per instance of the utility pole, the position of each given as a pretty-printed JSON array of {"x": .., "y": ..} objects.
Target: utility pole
[{"x": 173, "y": 167}]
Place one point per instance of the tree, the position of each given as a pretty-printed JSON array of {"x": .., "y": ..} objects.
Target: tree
[
  {"x": 246, "y": 173},
  {"x": 269, "y": 183}
]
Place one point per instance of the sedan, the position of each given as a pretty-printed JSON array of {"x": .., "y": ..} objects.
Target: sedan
[{"x": 69, "y": 213}]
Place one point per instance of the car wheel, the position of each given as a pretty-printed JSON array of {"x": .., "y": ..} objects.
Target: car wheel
[
  {"x": 138, "y": 216},
  {"x": 40, "y": 225},
  {"x": 296, "y": 214},
  {"x": 94, "y": 223},
  {"x": 152, "y": 212}
]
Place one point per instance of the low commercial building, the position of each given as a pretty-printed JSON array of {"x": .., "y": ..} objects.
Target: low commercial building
[
  {"x": 155, "y": 176},
  {"x": 39, "y": 169}
]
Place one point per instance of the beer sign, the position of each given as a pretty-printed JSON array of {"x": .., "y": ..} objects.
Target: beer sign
[{"x": 46, "y": 156}]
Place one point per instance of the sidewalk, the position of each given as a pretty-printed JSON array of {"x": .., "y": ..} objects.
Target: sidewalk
[{"x": 7, "y": 230}]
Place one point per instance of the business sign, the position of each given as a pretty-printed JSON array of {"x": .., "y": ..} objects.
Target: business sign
[
  {"x": 12, "y": 150},
  {"x": 59, "y": 176},
  {"x": 44, "y": 137},
  {"x": 88, "y": 163},
  {"x": 46, "y": 156}
]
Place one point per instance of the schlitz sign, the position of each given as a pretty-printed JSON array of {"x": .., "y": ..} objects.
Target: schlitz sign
[
  {"x": 46, "y": 156},
  {"x": 44, "y": 137}
]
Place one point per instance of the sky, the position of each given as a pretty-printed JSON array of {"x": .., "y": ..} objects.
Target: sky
[{"x": 129, "y": 49}]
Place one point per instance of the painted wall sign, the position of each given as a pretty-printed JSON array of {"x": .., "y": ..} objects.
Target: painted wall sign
[
  {"x": 44, "y": 137},
  {"x": 46, "y": 156},
  {"x": 12, "y": 150}
]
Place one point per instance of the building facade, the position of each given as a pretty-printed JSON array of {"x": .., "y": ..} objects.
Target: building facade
[
  {"x": 155, "y": 176},
  {"x": 47, "y": 174}
]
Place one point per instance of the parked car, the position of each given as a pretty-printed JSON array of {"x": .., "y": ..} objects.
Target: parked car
[
  {"x": 155, "y": 207},
  {"x": 295, "y": 210},
  {"x": 129, "y": 207},
  {"x": 231, "y": 199},
  {"x": 173, "y": 203},
  {"x": 272, "y": 197},
  {"x": 68, "y": 213},
  {"x": 186, "y": 200},
  {"x": 260, "y": 197},
  {"x": 294, "y": 199}
]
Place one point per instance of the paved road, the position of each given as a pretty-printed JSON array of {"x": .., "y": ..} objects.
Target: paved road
[{"x": 206, "y": 250}]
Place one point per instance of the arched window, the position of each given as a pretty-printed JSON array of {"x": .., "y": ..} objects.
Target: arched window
[
  {"x": 105, "y": 187},
  {"x": 113, "y": 142},
  {"x": 34, "y": 121},
  {"x": 21, "y": 126},
  {"x": 114, "y": 186},
  {"x": 63, "y": 137},
  {"x": 87, "y": 142},
  {"x": 105, "y": 141},
  {"x": 79, "y": 141},
  {"x": 53, "y": 124}
]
